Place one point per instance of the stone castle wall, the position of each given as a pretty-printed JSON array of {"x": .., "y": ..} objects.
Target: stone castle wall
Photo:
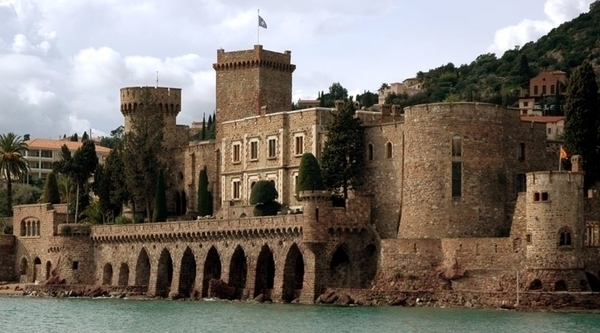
[{"x": 7, "y": 257}]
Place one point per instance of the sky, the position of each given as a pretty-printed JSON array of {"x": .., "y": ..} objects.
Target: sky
[{"x": 62, "y": 62}]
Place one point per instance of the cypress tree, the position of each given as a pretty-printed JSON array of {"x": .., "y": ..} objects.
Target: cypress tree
[
  {"x": 263, "y": 195},
  {"x": 309, "y": 174},
  {"x": 204, "y": 196},
  {"x": 581, "y": 120},
  {"x": 51, "y": 193},
  {"x": 160, "y": 199},
  {"x": 203, "y": 133}
]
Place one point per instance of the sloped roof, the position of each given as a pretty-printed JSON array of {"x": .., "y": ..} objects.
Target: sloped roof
[
  {"x": 543, "y": 119},
  {"x": 57, "y": 145}
]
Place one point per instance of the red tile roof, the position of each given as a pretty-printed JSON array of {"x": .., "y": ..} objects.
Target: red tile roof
[
  {"x": 543, "y": 119},
  {"x": 57, "y": 145}
]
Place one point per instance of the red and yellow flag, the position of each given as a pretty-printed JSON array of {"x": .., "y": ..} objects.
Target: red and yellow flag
[{"x": 563, "y": 153}]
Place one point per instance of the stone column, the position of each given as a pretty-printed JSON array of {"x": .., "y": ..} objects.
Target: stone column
[
  {"x": 153, "y": 279},
  {"x": 174, "y": 289}
]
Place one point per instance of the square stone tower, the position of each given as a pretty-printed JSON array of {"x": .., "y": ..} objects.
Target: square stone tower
[{"x": 251, "y": 80}]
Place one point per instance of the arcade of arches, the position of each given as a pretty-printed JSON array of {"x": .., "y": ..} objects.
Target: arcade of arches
[{"x": 281, "y": 270}]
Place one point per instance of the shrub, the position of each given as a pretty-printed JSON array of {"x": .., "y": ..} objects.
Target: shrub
[
  {"x": 263, "y": 195},
  {"x": 309, "y": 174},
  {"x": 123, "y": 220},
  {"x": 160, "y": 200}
]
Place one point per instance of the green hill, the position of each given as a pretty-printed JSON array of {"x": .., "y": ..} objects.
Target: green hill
[{"x": 499, "y": 80}]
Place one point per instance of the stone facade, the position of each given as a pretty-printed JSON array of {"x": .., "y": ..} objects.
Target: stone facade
[{"x": 462, "y": 199}]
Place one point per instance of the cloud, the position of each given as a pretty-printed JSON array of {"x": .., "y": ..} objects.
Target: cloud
[{"x": 556, "y": 11}]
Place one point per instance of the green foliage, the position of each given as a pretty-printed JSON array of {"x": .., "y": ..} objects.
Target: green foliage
[
  {"x": 343, "y": 159},
  {"x": 85, "y": 137},
  {"x": 123, "y": 220},
  {"x": 143, "y": 145},
  {"x": 207, "y": 131},
  {"x": 367, "y": 99},
  {"x": 74, "y": 138},
  {"x": 160, "y": 199},
  {"x": 336, "y": 92},
  {"x": 262, "y": 192},
  {"x": 309, "y": 174},
  {"x": 267, "y": 209},
  {"x": 204, "y": 196},
  {"x": 582, "y": 108},
  {"x": 13, "y": 164},
  {"x": 51, "y": 193},
  {"x": 93, "y": 213},
  {"x": 115, "y": 139},
  {"x": 26, "y": 195}
]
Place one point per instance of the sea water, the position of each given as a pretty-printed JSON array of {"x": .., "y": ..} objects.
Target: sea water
[{"x": 122, "y": 315}]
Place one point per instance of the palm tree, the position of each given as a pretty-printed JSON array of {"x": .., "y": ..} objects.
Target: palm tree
[{"x": 12, "y": 162}]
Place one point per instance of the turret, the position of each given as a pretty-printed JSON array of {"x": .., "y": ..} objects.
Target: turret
[{"x": 317, "y": 212}]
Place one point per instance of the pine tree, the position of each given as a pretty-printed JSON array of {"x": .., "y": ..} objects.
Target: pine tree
[
  {"x": 160, "y": 199},
  {"x": 343, "y": 158},
  {"x": 51, "y": 193},
  {"x": 84, "y": 137},
  {"x": 309, "y": 174},
  {"x": 204, "y": 196},
  {"x": 581, "y": 120}
]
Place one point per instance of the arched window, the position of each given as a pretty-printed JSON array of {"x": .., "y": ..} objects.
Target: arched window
[
  {"x": 564, "y": 237},
  {"x": 388, "y": 150},
  {"x": 456, "y": 146},
  {"x": 370, "y": 152}
]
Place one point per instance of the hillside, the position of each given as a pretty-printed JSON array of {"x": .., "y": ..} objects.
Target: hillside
[{"x": 499, "y": 80}]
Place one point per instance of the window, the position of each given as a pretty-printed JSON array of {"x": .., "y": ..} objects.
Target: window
[
  {"x": 388, "y": 150},
  {"x": 544, "y": 196},
  {"x": 254, "y": 150},
  {"x": 370, "y": 152},
  {"x": 272, "y": 147},
  {"x": 46, "y": 153},
  {"x": 47, "y": 165},
  {"x": 521, "y": 183},
  {"x": 521, "y": 152},
  {"x": 536, "y": 196},
  {"x": 549, "y": 130},
  {"x": 33, "y": 153},
  {"x": 564, "y": 237},
  {"x": 591, "y": 234},
  {"x": 237, "y": 152},
  {"x": 236, "y": 189},
  {"x": 299, "y": 145},
  {"x": 75, "y": 265},
  {"x": 535, "y": 90},
  {"x": 525, "y": 103},
  {"x": 552, "y": 89},
  {"x": 544, "y": 90},
  {"x": 456, "y": 179},
  {"x": 456, "y": 146}
]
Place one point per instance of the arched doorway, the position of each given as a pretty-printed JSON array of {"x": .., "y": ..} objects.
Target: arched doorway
[
  {"x": 238, "y": 271},
  {"x": 212, "y": 269},
  {"x": 594, "y": 282},
  {"x": 368, "y": 265},
  {"x": 340, "y": 268},
  {"x": 23, "y": 270},
  {"x": 123, "y": 275},
  {"x": 142, "y": 269},
  {"x": 107, "y": 274},
  {"x": 164, "y": 276},
  {"x": 187, "y": 276},
  {"x": 293, "y": 274},
  {"x": 37, "y": 268},
  {"x": 48, "y": 269},
  {"x": 535, "y": 285},
  {"x": 265, "y": 272}
]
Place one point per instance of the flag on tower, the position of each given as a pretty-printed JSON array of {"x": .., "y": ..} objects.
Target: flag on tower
[
  {"x": 261, "y": 22},
  {"x": 563, "y": 153}
]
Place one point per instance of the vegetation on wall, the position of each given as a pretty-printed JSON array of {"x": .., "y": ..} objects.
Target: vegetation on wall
[{"x": 309, "y": 174}]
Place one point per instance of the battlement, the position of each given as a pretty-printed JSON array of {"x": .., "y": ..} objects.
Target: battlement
[
  {"x": 257, "y": 57},
  {"x": 552, "y": 180},
  {"x": 167, "y": 99},
  {"x": 490, "y": 110}
]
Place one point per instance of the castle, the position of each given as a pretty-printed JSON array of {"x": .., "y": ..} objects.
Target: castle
[{"x": 461, "y": 198}]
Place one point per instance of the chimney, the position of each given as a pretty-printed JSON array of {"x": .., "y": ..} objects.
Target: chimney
[{"x": 576, "y": 163}]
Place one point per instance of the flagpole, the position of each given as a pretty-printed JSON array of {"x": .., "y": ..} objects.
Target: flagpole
[
  {"x": 258, "y": 28},
  {"x": 560, "y": 158}
]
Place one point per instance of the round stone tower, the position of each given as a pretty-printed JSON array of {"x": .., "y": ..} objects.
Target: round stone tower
[
  {"x": 454, "y": 168},
  {"x": 555, "y": 227},
  {"x": 317, "y": 214}
]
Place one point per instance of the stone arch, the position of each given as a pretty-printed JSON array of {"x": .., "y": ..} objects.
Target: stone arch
[
  {"x": 142, "y": 269},
  {"x": 293, "y": 274},
  {"x": 164, "y": 275},
  {"x": 107, "y": 274},
  {"x": 594, "y": 282},
  {"x": 560, "y": 285},
  {"x": 583, "y": 285},
  {"x": 123, "y": 275},
  {"x": 187, "y": 275},
  {"x": 212, "y": 269},
  {"x": 238, "y": 271},
  {"x": 388, "y": 150},
  {"x": 340, "y": 268},
  {"x": 37, "y": 268},
  {"x": 535, "y": 285},
  {"x": 24, "y": 269},
  {"x": 368, "y": 265},
  {"x": 48, "y": 269},
  {"x": 265, "y": 272}
]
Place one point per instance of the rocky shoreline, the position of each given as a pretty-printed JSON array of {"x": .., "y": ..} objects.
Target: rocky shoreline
[{"x": 539, "y": 301}]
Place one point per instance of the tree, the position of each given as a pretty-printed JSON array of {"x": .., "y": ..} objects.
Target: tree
[
  {"x": 309, "y": 174},
  {"x": 74, "y": 138},
  {"x": 26, "y": 195},
  {"x": 263, "y": 195},
  {"x": 204, "y": 196},
  {"x": 383, "y": 87},
  {"x": 85, "y": 136},
  {"x": 367, "y": 99},
  {"x": 160, "y": 199},
  {"x": 343, "y": 158},
  {"x": 581, "y": 120},
  {"x": 13, "y": 164},
  {"x": 336, "y": 93},
  {"x": 51, "y": 193},
  {"x": 143, "y": 145},
  {"x": 115, "y": 139}
]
